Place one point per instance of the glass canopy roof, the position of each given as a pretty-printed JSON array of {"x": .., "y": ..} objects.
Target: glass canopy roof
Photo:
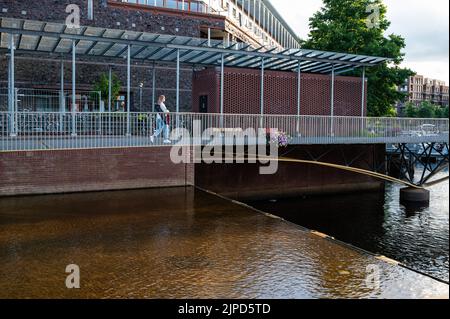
[{"x": 49, "y": 37}]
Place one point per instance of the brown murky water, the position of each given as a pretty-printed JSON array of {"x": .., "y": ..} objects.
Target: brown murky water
[{"x": 179, "y": 243}]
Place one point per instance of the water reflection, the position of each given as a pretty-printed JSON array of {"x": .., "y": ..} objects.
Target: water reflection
[
  {"x": 178, "y": 243},
  {"x": 414, "y": 235}
]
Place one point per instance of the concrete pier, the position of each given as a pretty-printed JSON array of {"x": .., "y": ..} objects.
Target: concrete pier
[{"x": 416, "y": 196}]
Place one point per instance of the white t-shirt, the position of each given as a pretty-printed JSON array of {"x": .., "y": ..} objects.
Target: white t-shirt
[{"x": 164, "y": 108}]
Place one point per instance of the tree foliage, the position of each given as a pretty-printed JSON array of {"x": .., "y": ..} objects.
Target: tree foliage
[
  {"x": 425, "y": 110},
  {"x": 102, "y": 85},
  {"x": 359, "y": 27}
]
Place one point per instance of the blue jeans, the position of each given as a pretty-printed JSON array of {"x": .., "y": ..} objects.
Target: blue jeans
[{"x": 161, "y": 127}]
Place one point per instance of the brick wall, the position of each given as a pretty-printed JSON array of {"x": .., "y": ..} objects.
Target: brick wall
[
  {"x": 242, "y": 91},
  {"x": 44, "y": 172},
  {"x": 38, "y": 71},
  {"x": 111, "y": 14},
  {"x": 243, "y": 181}
]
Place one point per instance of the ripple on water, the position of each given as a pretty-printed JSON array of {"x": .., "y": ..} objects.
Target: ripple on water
[{"x": 179, "y": 243}]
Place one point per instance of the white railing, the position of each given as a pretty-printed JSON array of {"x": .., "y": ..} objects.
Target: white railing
[
  {"x": 43, "y": 100},
  {"x": 37, "y": 131}
]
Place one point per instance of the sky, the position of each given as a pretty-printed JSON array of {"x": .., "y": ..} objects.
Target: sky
[{"x": 423, "y": 24}]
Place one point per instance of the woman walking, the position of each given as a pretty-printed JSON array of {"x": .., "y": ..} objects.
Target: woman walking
[{"x": 162, "y": 121}]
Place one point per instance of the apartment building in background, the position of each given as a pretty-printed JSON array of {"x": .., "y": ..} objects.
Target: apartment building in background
[{"x": 420, "y": 89}]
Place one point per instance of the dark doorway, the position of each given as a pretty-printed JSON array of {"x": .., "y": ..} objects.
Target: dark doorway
[{"x": 204, "y": 104}]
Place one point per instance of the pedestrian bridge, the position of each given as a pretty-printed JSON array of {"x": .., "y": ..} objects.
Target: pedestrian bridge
[{"x": 27, "y": 131}]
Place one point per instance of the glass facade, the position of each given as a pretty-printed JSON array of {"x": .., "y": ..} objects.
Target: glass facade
[{"x": 254, "y": 17}]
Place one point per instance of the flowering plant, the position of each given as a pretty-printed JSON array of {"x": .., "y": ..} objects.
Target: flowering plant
[{"x": 279, "y": 138}]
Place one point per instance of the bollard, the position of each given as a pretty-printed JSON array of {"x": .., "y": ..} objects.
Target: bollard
[{"x": 414, "y": 196}]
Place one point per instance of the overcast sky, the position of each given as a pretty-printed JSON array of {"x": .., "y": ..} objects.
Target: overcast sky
[{"x": 424, "y": 25}]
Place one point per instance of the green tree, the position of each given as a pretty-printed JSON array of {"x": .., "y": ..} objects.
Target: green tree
[
  {"x": 391, "y": 113},
  {"x": 102, "y": 85},
  {"x": 410, "y": 110},
  {"x": 358, "y": 27},
  {"x": 426, "y": 110},
  {"x": 445, "y": 113},
  {"x": 438, "y": 112}
]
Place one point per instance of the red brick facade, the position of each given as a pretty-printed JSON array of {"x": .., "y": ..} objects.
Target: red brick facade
[
  {"x": 66, "y": 171},
  {"x": 242, "y": 91},
  {"x": 243, "y": 181},
  {"x": 45, "y": 172}
]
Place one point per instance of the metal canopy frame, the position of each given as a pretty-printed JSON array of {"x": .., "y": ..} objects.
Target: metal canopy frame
[
  {"x": 49, "y": 37},
  {"x": 29, "y": 36}
]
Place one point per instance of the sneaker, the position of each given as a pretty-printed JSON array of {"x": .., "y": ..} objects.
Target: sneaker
[
  {"x": 152, "y": 139},
  {"x": 167, "y": 142}
]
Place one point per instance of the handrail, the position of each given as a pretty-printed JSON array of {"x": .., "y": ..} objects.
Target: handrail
[
  {"x": 58, "y": 130},
  {"x": 245, "y": 114}
]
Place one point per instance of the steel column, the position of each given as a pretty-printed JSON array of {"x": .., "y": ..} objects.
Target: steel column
[
  {"x": 153, "y": 87},
  {"x": 209, "y": 37},
  {"x": 62, "y": 106},
  {"x": 262, "y": 92},
  {"x": 332, "y": 100},
  {"x": 299, "y": 82},
  {"x": 109, "y": 98},
  {"x": 363, "y": 97},
  {"x": 62, "y": 100},
  {"x": 178, "y": 82},
  {"x": 101, "y": 106},
  {"x": 73, "y": 110},
  {"x": 299, "y": 92},
  {"x": 222, "y": 83},
  {"x": 12, "y": 91},
  {"x": 110, "y": 90},
  {"x": 363, "y": 90},
  {"x": 128, "y": 90},
  {"x": 262, "y": 85}
]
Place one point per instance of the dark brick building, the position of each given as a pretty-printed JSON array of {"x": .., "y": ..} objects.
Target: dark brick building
[
  {"x": 41, "y": 71},
  {"x": 242, "y": 93}
]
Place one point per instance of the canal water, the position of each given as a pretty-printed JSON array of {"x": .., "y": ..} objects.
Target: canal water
[
  {"x": 184, "y": 243},
  {"x": 415, "y": 236}
]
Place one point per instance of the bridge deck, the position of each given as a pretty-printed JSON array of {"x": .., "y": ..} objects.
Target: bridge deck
[
  {"x": 25, "y": 143},
  {"x": 40, "y": 131}
]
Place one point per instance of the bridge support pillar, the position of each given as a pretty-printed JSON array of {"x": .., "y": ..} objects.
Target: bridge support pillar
[{"x": 411, "y": 195}]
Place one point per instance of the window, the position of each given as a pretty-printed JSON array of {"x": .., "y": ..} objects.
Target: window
[{"x": 172, "y": 4}]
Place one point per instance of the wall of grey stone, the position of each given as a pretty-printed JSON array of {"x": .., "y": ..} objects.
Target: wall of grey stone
[{"x": 43, "y": 71}]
